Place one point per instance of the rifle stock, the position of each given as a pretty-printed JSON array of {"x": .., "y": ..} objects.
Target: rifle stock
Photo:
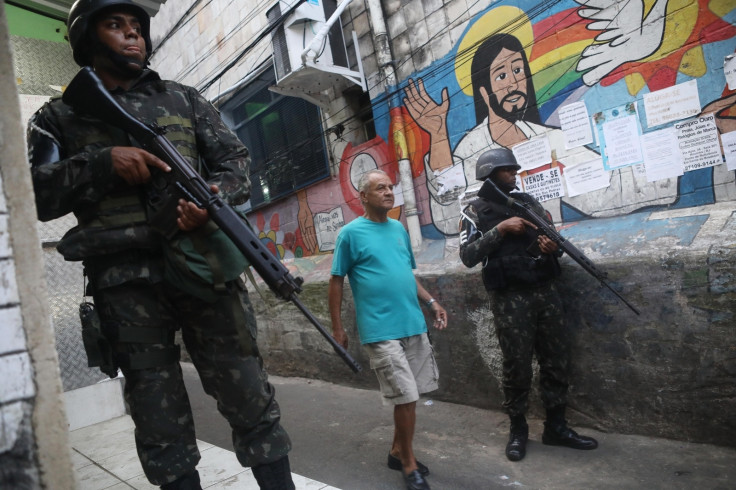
[
  {"x": 87, "y": 94},
  {"x": 489, "y": 190}
]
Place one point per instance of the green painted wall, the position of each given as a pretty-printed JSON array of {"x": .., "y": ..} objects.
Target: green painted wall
[{"x": 27, "y": 24}]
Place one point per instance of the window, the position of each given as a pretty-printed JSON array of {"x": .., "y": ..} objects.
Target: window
[{"x": 284, "y": 136}]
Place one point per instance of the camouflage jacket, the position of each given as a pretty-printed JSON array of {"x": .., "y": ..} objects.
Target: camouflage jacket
[
  {"x": 72, "y": 171},
  {"x": 507, "y": 261}
]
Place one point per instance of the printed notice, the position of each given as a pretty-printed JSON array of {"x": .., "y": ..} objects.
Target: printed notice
[
  {"x": 662, "y": 157},
  {"x": 533, "y": 153},
  {"x": 672, "y": 103},
  {"x": 327, "y": 225},
  {"x": 586, "y": 177},
  {"x": 729, "y": 149},
  {"x": 729, "y": 70},
  {"x": 617, "y": 132},
  {"x": 544, "y": 185},
  {"x": 622, "y": 142},
  {"x": 575, "y": 125},
  {"x": 698, "y": 142},
  {"x": 29, "y": 104},
  {"x": 398, "y": 195}
]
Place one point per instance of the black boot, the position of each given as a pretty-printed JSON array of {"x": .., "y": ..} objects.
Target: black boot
[
  {"x": 274, "y": 476},
  {"x": 557, "y": 433},
  {"x": 190, "y": 481},
  {"x": 519, "y": 434}
]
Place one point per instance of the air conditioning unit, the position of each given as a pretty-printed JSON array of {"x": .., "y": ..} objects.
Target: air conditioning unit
[{"x": 309, "y": 53}]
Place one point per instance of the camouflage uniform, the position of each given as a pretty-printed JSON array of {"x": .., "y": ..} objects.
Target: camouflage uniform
[
  {"x": 526, "y": 306},
  {"x": 139, "y": 312}
]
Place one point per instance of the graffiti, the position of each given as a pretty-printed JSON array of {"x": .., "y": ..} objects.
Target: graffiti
[
  {"x": 538, "y": 81},
  {"x": 514, "y": 72},
  {"x": 328, "y": 224}
]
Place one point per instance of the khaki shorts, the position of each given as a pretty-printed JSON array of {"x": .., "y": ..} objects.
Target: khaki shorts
[{"x": 405, "y": 368}]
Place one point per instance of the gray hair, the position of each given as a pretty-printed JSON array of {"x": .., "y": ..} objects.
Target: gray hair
[{"x": 365, "y": 179}]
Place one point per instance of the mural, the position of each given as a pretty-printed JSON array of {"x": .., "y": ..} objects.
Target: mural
[{"x": 610, "y": 107}]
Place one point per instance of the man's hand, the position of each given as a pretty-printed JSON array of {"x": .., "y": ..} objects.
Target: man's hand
[
  {"x": 132, "y": 164},
  {"x": 440, "y": 316},
  {"x": 340, "y": 337},
  {"x": 546, "y": 245},
  {"x": 190, "y": 217},
  {"x": 515, "y": 226}
]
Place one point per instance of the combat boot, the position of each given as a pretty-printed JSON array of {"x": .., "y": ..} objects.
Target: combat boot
[
  {"x": 557, "y": 433},
  {"x": 190, "y": 481},
  {"x": 275, "y": 475},
  {"x": 518, "y": 436}
]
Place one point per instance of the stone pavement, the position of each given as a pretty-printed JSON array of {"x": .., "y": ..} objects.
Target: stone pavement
[
  {"x": 104, "y": 457},
  {"x": 341, "y": 436}
]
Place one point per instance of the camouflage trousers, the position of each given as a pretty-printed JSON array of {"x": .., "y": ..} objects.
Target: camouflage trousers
[
  {"x": 221, "y": 340},
  {"x": 529, "y": 322}
]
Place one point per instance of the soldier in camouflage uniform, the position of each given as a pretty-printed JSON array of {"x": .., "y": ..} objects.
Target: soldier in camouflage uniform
[
  {"x": 519, "y": 271},
  {"x": 94, "y": 170}
]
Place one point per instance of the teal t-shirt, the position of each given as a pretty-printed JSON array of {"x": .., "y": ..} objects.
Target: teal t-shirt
[{"x": 378, "y": 261}]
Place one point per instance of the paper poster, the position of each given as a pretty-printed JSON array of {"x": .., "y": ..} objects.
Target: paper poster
[
  {"x": 662, "y": 157},
  {"x": 450, "y": 178},
  {"x": 398, "y": 195},
  {"x": 29, "y": 104},
  {"x": 544, "y": 185},
  {"x": 618, "y": 133},
  {"x": 575, "y": 125},
  {"x": 698, "y": 142},
  {"x": 533, "y": 153},
  {"x": 327, "y": 225},
  {"x": 729, "y": 70},
  {"x": 586, "y": 177},
  {"x": 729, "y": 149},
  {"x": 672, "y": 103}
]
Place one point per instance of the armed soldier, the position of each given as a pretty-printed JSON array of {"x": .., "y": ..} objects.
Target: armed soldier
[
  {"x": 519, "y": 271},
  {"x": 146, "y": 287}
]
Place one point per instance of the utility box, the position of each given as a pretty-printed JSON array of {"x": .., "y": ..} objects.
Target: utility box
[{"x": 295, "y": 30}]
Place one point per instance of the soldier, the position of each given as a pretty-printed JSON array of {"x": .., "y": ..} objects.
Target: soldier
[
  {"x": 519, "y": 271},
  {"x": 141, "y": 284}
]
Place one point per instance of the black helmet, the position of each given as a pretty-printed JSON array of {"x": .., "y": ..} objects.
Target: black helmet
[
  {"x": 82, "y": 15},
  {"x": 493, "y": 159}
]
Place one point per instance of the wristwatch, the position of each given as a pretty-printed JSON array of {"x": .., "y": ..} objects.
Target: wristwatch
[{"x": 430, "y": 301}]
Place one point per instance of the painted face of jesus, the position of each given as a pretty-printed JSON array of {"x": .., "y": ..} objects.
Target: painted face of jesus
[{"x": 509, "y": 86}]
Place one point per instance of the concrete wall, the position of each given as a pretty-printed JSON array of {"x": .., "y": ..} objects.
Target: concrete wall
[
  {"x": 665, "y": 239},
  {"x": 34, "y": 450}
]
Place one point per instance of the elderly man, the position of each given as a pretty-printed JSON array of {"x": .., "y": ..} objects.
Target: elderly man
[{"x": 375, "y": 253}]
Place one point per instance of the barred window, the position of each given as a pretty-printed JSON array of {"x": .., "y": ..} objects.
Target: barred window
[{"x": 284, "y": 136}]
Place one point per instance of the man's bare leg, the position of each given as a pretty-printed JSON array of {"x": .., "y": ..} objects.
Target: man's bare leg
[{"x": 405, "y": 418}]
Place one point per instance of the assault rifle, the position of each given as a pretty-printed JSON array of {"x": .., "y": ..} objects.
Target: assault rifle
[
  {"x": 87, "y": 94},
  {"x": 489, "y": 190}
]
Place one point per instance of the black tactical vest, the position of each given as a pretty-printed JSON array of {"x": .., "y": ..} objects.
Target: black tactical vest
[{"x": 514, "y": 264}]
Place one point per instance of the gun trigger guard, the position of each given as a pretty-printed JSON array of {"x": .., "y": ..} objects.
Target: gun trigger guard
[{"x": 299, "y": 281}]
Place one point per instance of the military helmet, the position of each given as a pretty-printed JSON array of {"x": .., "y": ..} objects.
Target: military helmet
[
  {"x": 493, "y": 159},
  {"x": 81, "y": 17}
]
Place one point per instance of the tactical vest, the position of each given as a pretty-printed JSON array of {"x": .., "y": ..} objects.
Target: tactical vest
[
  {"x": 513, "y": 264},
  {"x": 199, "y": 262}
]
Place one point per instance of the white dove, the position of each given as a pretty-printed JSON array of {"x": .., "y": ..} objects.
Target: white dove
[{"x": 626, "y": 35}]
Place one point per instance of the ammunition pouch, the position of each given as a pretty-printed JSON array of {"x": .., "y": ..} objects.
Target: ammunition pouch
[
  {"x": 201, "y": 262},
  {"x": 96, "y": 345}
]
